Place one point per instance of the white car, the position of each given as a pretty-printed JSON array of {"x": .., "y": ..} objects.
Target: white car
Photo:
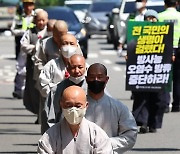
[{"x": 127, "y": 8}]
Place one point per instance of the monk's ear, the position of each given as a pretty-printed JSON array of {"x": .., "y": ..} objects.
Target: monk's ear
[
  {"x": 87, "y": 104},
  {"x": 61, "y": 104},
  {"x": 107, "y": 78}
]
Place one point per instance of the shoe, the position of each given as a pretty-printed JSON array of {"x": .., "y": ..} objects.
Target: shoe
[
  {"x": 17, "y": 95},
  {"x": 37, "y": 121},
  {"x": 167, "y": 110},
  {"x": 152, "y": 130},
  {"x": 119, "y": 52},
  {"x": 143, "y": 129},
  {"x": 124, "y": 53},
  {"x": 175, "y": 109},
  {"x": 132, "y": 97}
]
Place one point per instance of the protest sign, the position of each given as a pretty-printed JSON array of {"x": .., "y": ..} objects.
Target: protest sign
[{"x": 149, "y": 51}]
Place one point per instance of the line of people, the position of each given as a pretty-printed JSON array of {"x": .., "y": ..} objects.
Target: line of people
[
  {"x": 66, "y": 93},
  {"x": 76, "y": 113}
]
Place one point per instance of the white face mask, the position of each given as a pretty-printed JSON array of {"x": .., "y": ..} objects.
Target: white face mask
[
  {"x": 74, "y": 115},
  {"x": 139, "y": 5},
  {"x": 68, "y": 50},
  {"x": 77, "y": 80}
]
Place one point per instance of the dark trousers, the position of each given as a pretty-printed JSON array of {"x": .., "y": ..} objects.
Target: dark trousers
[
  {"x": 148, "y": 108},
  {"x": 17, "y": 45},
  {"x": 31, "y": 97},
  {"x": 176, "y": 80}
]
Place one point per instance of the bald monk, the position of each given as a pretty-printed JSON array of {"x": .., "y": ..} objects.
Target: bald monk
[
  {"x": 28, "y": 43},
  {"x": 74, "y": 134},
  {"x": 110, "y": 114},
  {"x": 48, "y": 48},
  {"x": 77, "y": 70},
  {"x": 50, "y": 25},
  {"x": 55, "y": 70}
]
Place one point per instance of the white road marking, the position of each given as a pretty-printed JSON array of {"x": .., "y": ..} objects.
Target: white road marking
[
  {"x": 98, "y": 36},
  {"x": 7, "y": 56},
  {"x": 108, "y": 52},
  {"x": 7, "y": 74},
  {"x": 8, "y": 67},
  {"x": 11, "y": 73},
  {"x": 9, "y": 80},
  {"x": 107, "y": 61},
  {"x": 93, "y": 55},
  {"x": 117, "y": 68}
]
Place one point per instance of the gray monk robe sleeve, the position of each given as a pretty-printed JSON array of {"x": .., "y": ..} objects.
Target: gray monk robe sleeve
[
  {"x": 91, "y": 139},
  {"x": 115, "y": 119}
]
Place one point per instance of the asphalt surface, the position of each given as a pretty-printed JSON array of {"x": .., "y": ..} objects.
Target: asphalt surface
[{"x": 19, "y": 134}]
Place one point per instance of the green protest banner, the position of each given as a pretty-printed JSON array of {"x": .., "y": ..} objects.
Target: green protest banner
[{"x": 149, "y": 51}]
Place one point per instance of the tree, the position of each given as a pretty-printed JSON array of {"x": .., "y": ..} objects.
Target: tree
[{"x": 40, "y": 3}]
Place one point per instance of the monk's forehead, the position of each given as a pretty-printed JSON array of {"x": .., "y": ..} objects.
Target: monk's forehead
[
  {"x": 77, "y": 58},
  {"x": 69, "y": 38},
  {"x": 42, "y": 15},
  {"x": 74, "y": 93},
  {"x": 96, "y": 69}
]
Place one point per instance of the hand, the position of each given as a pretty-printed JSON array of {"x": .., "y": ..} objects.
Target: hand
[{"x": 173, "y": 58}]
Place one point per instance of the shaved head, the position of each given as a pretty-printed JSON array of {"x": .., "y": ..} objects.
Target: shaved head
[
  {"x": 97, "y": 66},
  {"x": 42, "y": 12},
  {"x": 77, "y": 57},
  {"x": 76, "y": 65},
  {"x": 41, "y": 18},
  {"x": 73, "y": 95},
  {"x": 50, "y": 24},
  {"x": 60, "y": 28},
  {"x": 68, "y": 39}
]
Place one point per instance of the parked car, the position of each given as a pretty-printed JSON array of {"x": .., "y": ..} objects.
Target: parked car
[
  {"x": 127, "y": 10},
  {"x": 74, "y": 25},
  {"x": 79, "y": 6},
  {"x": 96, "y": 18},
  {"x": 7, "y": 12}
]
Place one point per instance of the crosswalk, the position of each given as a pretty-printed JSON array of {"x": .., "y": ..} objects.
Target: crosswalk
[
  {"x": 106, "y": 60},
  {"x": 7, "y": 73}
]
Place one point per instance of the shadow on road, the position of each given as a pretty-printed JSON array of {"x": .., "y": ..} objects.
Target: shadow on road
[
  {"x": 120, "y": 62},
  {"x": 18, "y": 133},
  {"x": 20, "y": 152},
  {"x": 155, "y": 149},
  {"x": 17, "y": 123},
  {"x": 107, "y": 48},
  {"x": 27, "y": 144},
  {"x": 11, "y": 98}
]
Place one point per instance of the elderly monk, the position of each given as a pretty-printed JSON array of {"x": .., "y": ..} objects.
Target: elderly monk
[{"x": 74, "y": 134}]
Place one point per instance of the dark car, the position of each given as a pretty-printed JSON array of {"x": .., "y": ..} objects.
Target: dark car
[
  {"x": 96, "y": 18},
  {"x": 74, "y": 26}
]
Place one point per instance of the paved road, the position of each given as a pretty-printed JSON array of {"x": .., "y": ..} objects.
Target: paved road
[{"x": 19, "y": 134}]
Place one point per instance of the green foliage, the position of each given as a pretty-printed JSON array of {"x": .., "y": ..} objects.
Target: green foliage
[{"x": 42, "y": 3}]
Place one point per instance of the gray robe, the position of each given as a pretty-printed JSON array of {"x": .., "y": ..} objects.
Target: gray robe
[
  {"x": 52, "y": 74},
  {"x": 115, "y": 119},
  {"x": 52, "y": 112},
  {"x": 91, "y": 139}
]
